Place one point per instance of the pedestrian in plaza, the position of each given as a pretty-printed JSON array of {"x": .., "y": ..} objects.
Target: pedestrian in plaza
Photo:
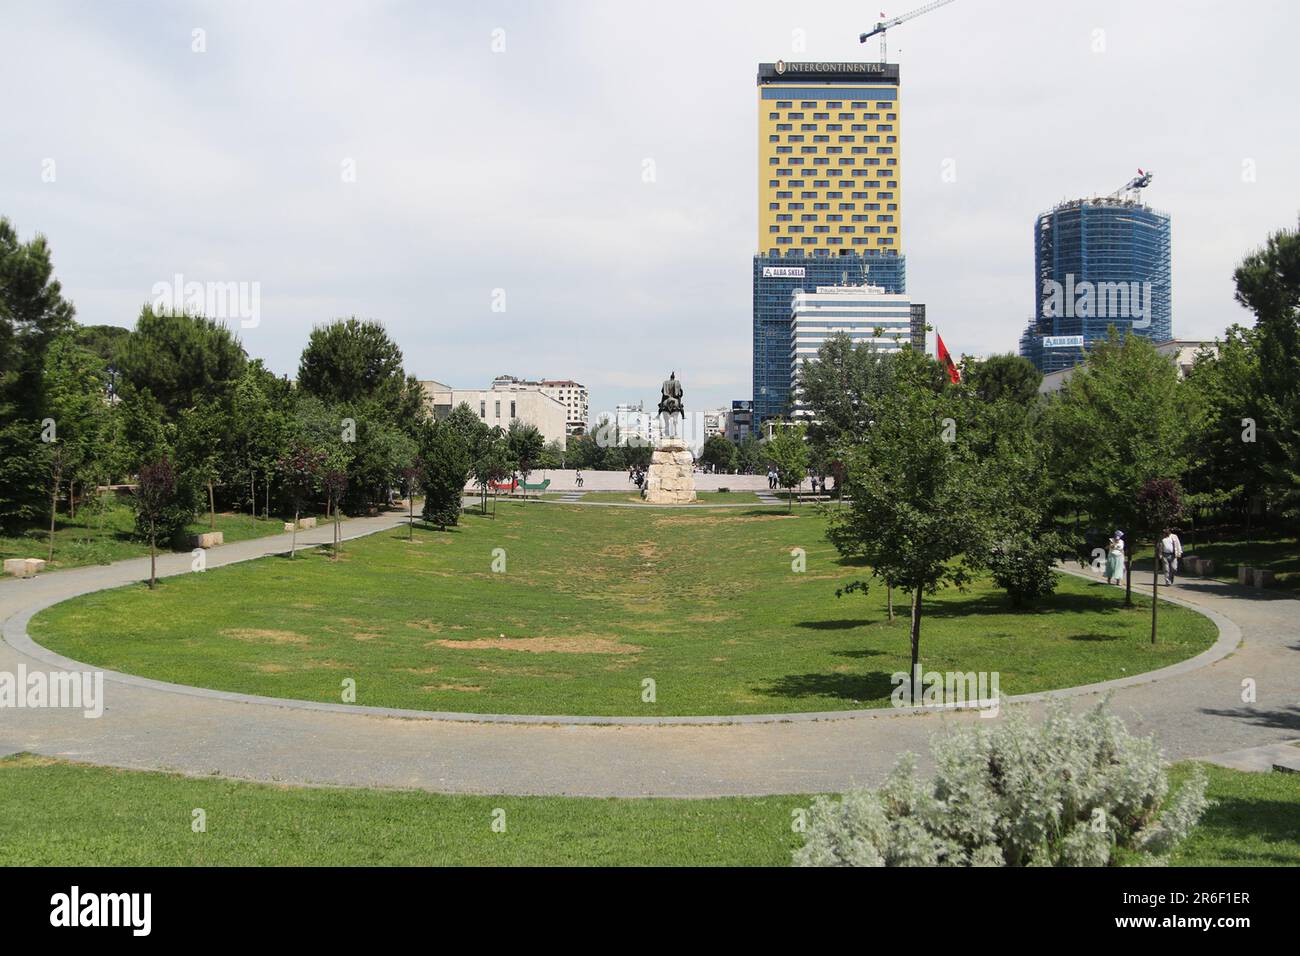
[
  {"x": 1115, "y": 558},
  {"x": 1171, "y": 550}
]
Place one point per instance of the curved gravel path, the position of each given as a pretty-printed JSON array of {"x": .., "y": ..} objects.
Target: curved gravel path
[{"x": 1195, "y": 708}]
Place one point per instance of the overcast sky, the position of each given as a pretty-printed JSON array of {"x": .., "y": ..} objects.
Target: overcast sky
[{"x": 523, "y": 170}]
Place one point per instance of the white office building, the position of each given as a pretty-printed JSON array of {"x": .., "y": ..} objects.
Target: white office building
[
  {"x": 865, "y": 313},
  {"x": 635, "y": 423},
  {"x": 502, "y": 403}
]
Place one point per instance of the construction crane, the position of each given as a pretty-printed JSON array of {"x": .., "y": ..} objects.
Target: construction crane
[
  {"x": 882, "y": 25},
  {"x": 1129, "y": 191}
]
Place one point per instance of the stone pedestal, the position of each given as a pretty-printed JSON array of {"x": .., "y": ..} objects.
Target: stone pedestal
[{"x": 671, "y": 477}]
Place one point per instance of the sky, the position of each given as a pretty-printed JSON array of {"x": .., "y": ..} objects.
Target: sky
[{"x": 567, "y": 189}]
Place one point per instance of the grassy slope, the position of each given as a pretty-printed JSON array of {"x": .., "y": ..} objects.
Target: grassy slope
[
  {"x": 61, "y": 814},
  {"x": 704, "y": 602},
  {"x": 94, "y": 539}
]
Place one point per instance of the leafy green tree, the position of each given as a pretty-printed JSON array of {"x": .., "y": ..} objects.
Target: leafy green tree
[
  {"x": 921, "y": 509},
  {"x": 201, "y": 450},
  {"x": 1268, "y": 283},
  {"x": 788, "y": 450},
  {"x": 75, "y": 396},
  {"x": 1225, "y": 471},
  {"x": 719, "y": 454},
  {"x": 350, "y": 361},
  {"x": 33, "y": 313},
  {"x": 491, "y": 464},
  {"x": 1118, "y": 423},
  {"x": 843, "y": 387},
  {"x": 1008, "y": 377},
  {"x": 524, "y": 445},
  {"x": 446, "y": 469},
  {"x": 749, "y": 455},
  {"x": 181, "y": 359},
  {"x": 552, "y": 455},
  {"x": 334, "y": 482}
]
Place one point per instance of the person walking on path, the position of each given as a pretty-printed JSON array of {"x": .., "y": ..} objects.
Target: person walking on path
[
  {"x": 1115, "y": 558},
  {"x": 577, "y": 477},
  {"x": 1171, "y": 551}
]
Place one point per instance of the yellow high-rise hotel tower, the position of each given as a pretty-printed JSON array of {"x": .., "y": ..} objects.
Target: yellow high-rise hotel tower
[
  {"x": 829, "y": 177},
  {"x": 829, "y": 198}
]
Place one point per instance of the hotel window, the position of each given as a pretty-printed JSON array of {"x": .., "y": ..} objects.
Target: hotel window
[
  {"x": 847, "y": 161},
  {"x": 807, "y": 104},
  {"x": 821, "y": 139},
  {"x": 774, "y": 205},
  {"x": 821, "y": 184},
  {"x": 774, "y": 161},
  {"x": 783, "y": 104},
  {"x": 821, "y": 161},
  {"x": 885, "y": 106},
  {"x": 795, "y": 229},
  {"x": 834, "y": 127},
  {"x": 773, "y": 116},
  {"x": 808, "y": 194},
  {"x": 884, "y": 195},
  {"x": 808, "y": 127},
  {"x": 794, "y": 138},
  {"x": 871, "y": 139},
  {"x": 847, "y": 138},
  {"x": 796, "y": 162},
  {"x": 808, "y": 241},
  {"x": 845, "y": 116},
  {"x": 885, "y": 241},
  {"x": 482, "y": 409},
  {"x": 884, "y": 127},
  {"x": 808, "y": 217},
  {"x": 892, "y": 116},
  {"x": 834, "y": 149},
  {"x": 784, "y": 217},
  {"x": 859, "y": 127},
  {"x": 783, "y": 240},
  {"x": 774, "y": 138},
  {"x": 784, "y": 127},
  {"x": 821, "y": 229},
  {"x": 859, "y": 217},
  {"x": 884, "y": 150},
  {"x": 859, "y": 105},
  {"x": 821, "y": 205},
  {"x": 807, "y": 149},
  {"x": 821, "y": 116},
  {"x": 860, "y": 240},
  {"x": 891, "y": 139},
  {"x": 848, "y": 205},
  {"x": 861, "y": 196},
  {"x": 891, "y": 206},
  {"x": 498, "y": 408},
  {"x": 772, "y": 184},
  {"x": 795, "y": 183},
  {"x": 893, "y": 229},
  {"x": 795, "y": 205},
  {"x": 773, "y": 228},
  {"x": 512, "y": 409},
  {"x": 834, "y": 217},
  {"x": 835, "y": 105},
  {"x": 893, "y": 184},
  {"x": 884, "y": 217},
  {"x": 872, "y": 116}
]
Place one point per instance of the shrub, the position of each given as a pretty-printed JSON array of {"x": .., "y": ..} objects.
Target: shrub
[
  {"x": 1074, "y": 790},
  {"x": 1024, "y": 566}
]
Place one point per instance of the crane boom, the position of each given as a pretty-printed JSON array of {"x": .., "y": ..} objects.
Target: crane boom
[{"x": 883, "y": 25}]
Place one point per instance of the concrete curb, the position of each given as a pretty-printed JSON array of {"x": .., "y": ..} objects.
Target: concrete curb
[{"x": 14, "y": 633}]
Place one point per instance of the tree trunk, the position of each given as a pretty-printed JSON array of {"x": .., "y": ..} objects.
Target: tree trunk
[
  {"x": 72, "y": 499},
  {"x": 293, "y": 542},
  {"x": 54, "y": 510},
  {"x": 1128, "y": 577},
  {"x": 410, "y": 516},
  {"x": 889, "y": 599},
  {"x": 212, "y": 509},
  {"x": 916, "y": 642},
  {"x": 153, "y": 555},
  {"x": 1155, "y": 591}
]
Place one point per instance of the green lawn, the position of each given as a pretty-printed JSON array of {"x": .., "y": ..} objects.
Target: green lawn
[
  {"x": 593, "y": 602},
  {"x": 63, "y": 814},
  {"x": 1278, "y": 554},
  {"x": 96, "y": 537}
]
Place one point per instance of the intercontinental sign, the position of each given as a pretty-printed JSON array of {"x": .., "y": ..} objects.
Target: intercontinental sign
[{"x": 783, "y": 68}]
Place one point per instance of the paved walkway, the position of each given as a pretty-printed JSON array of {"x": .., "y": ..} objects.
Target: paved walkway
[{"x": 1195, "y": 709}]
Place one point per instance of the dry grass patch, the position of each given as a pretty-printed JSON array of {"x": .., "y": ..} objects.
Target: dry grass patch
[
  {"x": 577, "y": 644},
  {"x": 260, "y": 635}
]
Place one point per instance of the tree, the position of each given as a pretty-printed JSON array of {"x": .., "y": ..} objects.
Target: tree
[
  {"x": 200, "y": 437},
  {"x": 718, "y": 453},
  {"x": 334, "y": 481},
  {"x": 1268, "y": 283},
  {"x": 1159, "y": 508},
  {"x": 181, "y": 359},
  {"x": 1224, "y": 470},
  {"x": 749, "y": 455},
  {"x": 1116, "y": 424},
  {"x": 524, "y": 446},
  {"x": 301, "y": 469},
  {"x": 155, "y": 497},
  {"x": 350, "y": 361},
  {"x": 410, "y": 484},
  {"x": 491, "y": 465},
  {"x": 1010, "y": 378},
  {"x": 921, "y": 510},
  {"x": 788, "y": 450},
  {"x": 843, "y": 386},
  {"x": 33, "y": 313},
  {"x": 446, "y": 469}
]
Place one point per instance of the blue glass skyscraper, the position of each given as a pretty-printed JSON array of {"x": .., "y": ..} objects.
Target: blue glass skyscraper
[{"x": 1098, "y": 263}]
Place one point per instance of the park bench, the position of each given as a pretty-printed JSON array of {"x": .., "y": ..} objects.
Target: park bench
[
  {"x": 535, "y": 490},
  {"x": 803, "y": 498}
]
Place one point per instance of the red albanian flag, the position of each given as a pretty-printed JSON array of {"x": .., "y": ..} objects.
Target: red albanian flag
[{"x": 944, "y": 357}]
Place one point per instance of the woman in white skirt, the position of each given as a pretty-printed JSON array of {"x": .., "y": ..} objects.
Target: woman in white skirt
[{"x": 1115, "y": 558}]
